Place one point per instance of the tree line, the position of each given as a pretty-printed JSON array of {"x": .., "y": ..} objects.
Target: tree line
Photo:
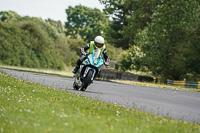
[
  {"x": 29, "y": 42},
  {"x": 33, "y": 42},
  {"x": 159, "y": 36}
]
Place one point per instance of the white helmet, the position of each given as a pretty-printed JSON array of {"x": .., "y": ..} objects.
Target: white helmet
[{"x": 99, "y": 41}]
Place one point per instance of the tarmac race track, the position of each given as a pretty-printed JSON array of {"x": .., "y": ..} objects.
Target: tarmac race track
[{"x": 175, "y": 104}]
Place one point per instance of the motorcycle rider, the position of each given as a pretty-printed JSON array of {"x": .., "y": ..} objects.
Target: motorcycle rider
[{"x": 88, "y": 49}]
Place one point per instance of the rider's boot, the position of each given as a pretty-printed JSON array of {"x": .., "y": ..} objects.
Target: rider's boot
[{"x": 75, "y": 70}]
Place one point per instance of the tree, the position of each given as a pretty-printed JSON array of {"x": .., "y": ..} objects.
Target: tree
[
  {"x": 128, "y": 16},
  {"x": 85, "y": 22},
  {"x": 117, "y": 10},
  {"x": 169, "y": 41},
  {"x": 28, "y": 42},
  {"x": 139, "y": 15},
  {"x": 57, "y": 25},
  {"x": 8, "y": 16}
]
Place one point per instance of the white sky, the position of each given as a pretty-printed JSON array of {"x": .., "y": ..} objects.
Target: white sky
[{"x": 53, "y": 9}]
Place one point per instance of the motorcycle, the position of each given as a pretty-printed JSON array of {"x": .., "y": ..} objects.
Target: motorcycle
[{"x": 89, "y": 69}]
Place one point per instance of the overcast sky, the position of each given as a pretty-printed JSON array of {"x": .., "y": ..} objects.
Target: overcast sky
[{"x": 54, "y": 9}]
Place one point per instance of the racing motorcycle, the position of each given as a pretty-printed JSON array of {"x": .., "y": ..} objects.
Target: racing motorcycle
[{"x": 88, "y": 70}]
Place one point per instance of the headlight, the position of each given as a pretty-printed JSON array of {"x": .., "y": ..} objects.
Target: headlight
[{"x": 95, "y": 62}]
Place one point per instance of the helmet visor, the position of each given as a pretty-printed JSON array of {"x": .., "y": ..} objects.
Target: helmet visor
[{"x": 98, "y": 45}]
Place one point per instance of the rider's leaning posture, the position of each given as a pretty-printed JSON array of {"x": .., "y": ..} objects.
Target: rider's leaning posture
[{"x": 88, "y": 49}]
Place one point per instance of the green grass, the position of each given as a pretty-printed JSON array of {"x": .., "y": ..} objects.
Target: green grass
[{"x": 34, "y": 108}]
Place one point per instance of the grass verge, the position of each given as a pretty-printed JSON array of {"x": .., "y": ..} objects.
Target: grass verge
[
  {"x": 30, "y": 107},
  {"x": 155, "y": 85}
]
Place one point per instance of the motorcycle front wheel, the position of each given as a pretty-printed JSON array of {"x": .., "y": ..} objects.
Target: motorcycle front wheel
[
  {"x": 75, "y": 86},
  {"x": 87, "y": 80}
]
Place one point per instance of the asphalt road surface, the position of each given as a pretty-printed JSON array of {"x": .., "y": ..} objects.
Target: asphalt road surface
[{"x": 175, "y": 104}]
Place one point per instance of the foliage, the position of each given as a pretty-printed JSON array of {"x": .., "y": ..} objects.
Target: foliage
[
  {"x": 113, "y": 52},
  {"x": 133, "y": 59},
  {"x": 85, "y": 22},
  {"x": 32, "y": 42},
  {"x": 56, "y": 25},
  {"x": 8, "y": 16},
  {"x": 168, "y": 41},
  {"x": 117, "y": 11},
  {"x": 28, "y": 42},
  {"x": 166, "y": 32},
  {"x": 139, "y": 15},
  {"x": 70, "y": 49},
  {"x": 158, "y": 35}
]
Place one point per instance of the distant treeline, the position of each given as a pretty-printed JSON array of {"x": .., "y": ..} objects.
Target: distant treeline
[
  {"x": 159, "y": 36},
  {"x": 31, "y": 42}
]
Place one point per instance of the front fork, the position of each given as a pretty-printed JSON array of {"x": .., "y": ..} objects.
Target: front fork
[
  {"x": 78, "y": 76},
  {"x": 86, "y": 72}
]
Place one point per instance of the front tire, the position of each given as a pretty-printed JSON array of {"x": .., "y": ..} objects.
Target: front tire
[
  {"x": 75, "y": 86},
  {"x": 86, "y": 81}
]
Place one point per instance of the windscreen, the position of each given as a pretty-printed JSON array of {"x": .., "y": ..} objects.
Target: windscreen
[{"x": 97, "y": 53}]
